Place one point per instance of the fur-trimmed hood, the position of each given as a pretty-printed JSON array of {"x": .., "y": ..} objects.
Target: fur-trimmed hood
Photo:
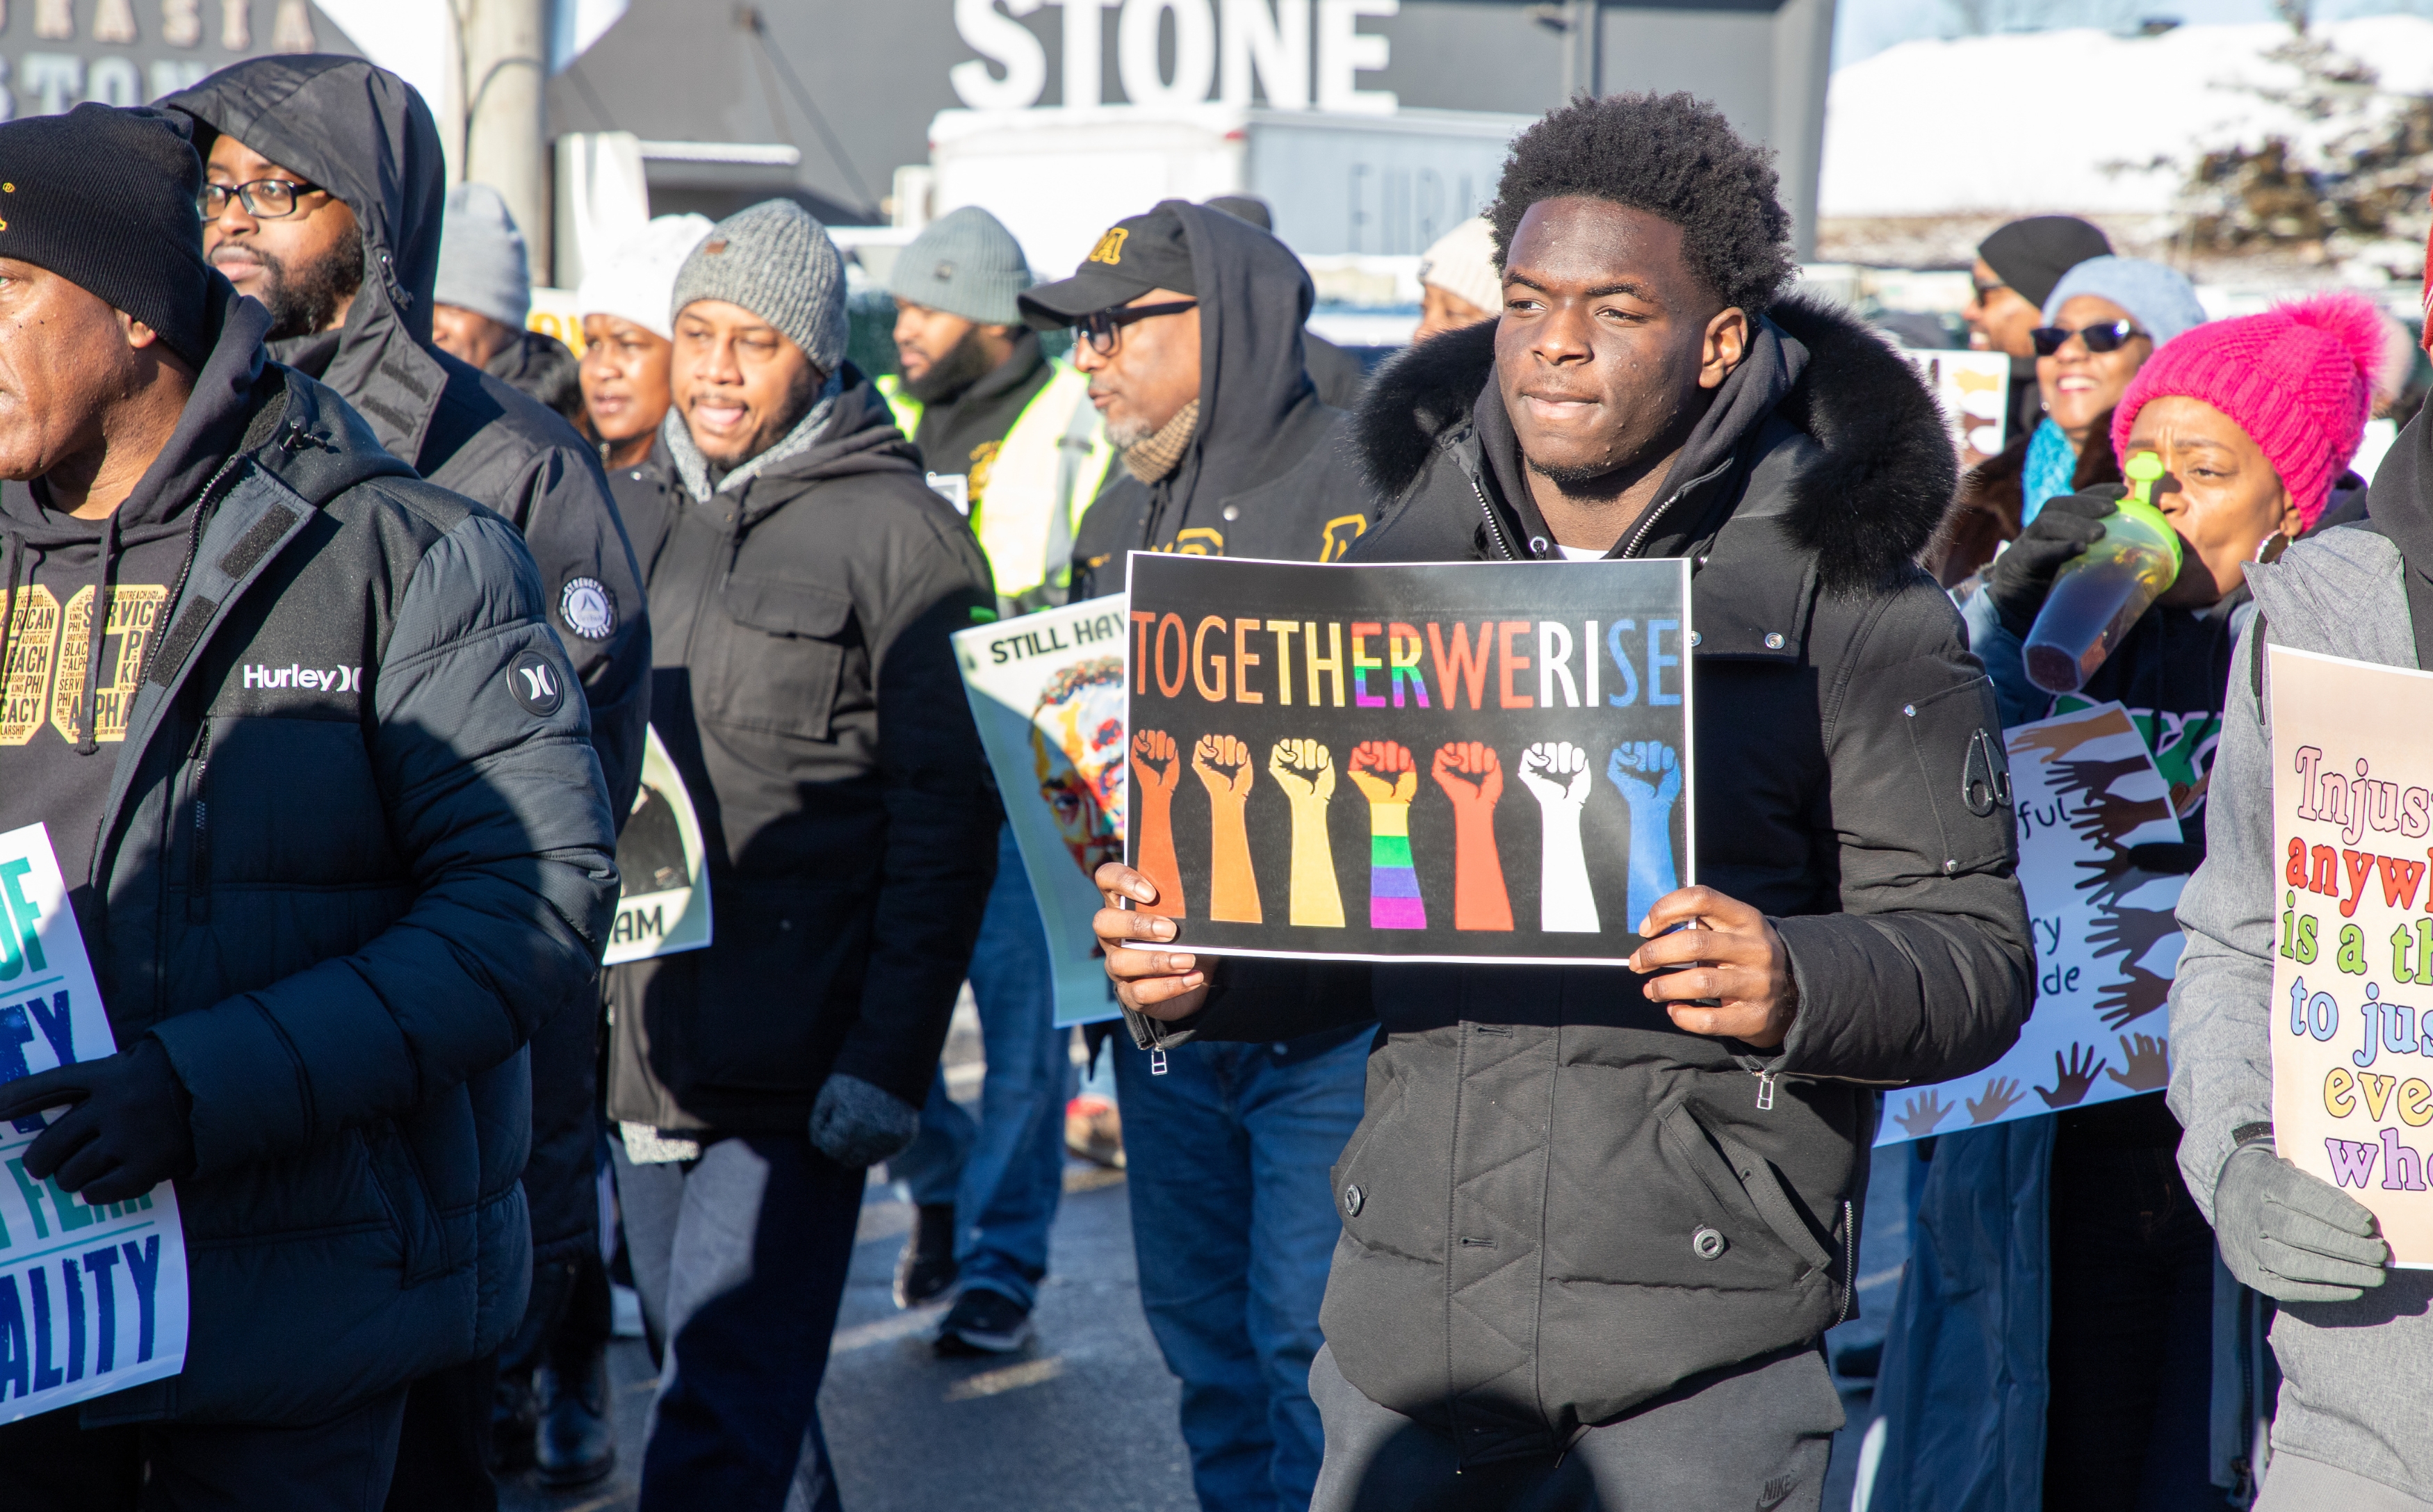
[{"x": 1865, "y": 500}]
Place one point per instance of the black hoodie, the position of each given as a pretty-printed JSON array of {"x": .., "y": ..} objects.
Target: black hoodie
[
  {"x": 56, "y": 756},
  {"x": 366, "y": 137},
  {"x": 1261, "y": 477}
]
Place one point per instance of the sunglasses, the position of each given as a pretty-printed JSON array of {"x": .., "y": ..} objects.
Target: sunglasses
[
  {"x": 1102, "y": 329},
  {"x": 2109, "y": 336}
]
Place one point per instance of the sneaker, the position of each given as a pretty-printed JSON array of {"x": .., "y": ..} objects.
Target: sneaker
[
  {"x": 1094, "y": 1130},
  {"x": 926, "y": 1267},
  {"x": 984, "y": 1323}
]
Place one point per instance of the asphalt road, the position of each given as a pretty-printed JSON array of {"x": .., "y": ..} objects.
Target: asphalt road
[{"x": 1083, "y": 1417}]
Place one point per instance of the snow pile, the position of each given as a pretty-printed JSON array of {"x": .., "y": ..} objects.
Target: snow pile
[{"x": 2081, "y": 121}]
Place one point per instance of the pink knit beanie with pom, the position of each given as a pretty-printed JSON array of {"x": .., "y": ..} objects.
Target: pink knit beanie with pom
[{"x": 2298, "y": 378}]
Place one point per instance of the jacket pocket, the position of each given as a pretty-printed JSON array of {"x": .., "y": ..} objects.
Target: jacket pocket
[
  {"x": 780, "y": 652},
  {"x": 422, "y": 1248},
  {"x": 1964, "y": 769},
  {"x": 1746, "y": 1187}
]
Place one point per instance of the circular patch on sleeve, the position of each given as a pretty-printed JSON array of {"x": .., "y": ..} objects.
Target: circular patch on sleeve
[
  {"x": 589, "y": 608},
  {"x": 536, "y": 683}
]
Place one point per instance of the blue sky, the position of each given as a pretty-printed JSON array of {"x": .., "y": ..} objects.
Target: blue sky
[{"x": 1865, "y": 27}]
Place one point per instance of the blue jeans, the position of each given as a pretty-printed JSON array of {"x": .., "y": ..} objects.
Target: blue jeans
[
  {"x": 1005, "y": 1171},
  {"x": 743, "y": 1254},
  {"x": 1234, "y": 1226}
]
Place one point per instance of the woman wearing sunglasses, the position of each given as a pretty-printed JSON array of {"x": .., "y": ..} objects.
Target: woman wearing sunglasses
[
  {"x": 2086, "y": 1213},
  {"x": 2101, "y": 321}
]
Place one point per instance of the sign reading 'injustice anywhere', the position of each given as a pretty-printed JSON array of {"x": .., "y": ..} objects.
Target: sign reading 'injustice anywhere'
[
  {"x": 2352, "y": 1007},
  {"x": 1460, "y": 761}
]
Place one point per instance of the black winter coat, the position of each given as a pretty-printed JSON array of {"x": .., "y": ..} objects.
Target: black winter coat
[
  {"x": 362, "y": 134},
  {"x": 343, "y": 910},
  {"x": 807, "y": 692},
  {"x": 1560, "y": 1206}
]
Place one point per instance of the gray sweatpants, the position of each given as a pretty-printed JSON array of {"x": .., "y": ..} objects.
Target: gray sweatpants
[{"x": 1755, "y": 1441}]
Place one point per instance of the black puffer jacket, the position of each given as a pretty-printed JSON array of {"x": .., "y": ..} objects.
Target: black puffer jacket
[
  {"x": 1559, "y": 1205},
  {"x": 807, "y": 692},
  {"x": 343, "y": 909}
]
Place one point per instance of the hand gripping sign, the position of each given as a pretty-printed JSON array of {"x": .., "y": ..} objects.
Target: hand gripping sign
[
  {"x": 93, "y": 1300},
  {"x": 1509, "y": 746}
]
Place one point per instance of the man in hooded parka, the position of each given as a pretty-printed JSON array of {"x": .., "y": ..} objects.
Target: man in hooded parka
[{"x": 356, "y": 141}]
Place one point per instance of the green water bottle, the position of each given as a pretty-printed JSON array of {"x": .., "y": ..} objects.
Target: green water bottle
[{"x": 2098, "y": 595}]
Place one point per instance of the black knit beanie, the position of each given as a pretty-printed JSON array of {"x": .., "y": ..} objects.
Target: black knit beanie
[{"x": 106, "y": 198}]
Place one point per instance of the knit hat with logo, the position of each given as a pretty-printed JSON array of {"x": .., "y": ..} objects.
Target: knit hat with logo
[
  {"x": 107, "y": 199},
  {"x": 774, "y": 260},
  {"x": 2298, "y": 378},
  {"x": 966, "y": 264}
]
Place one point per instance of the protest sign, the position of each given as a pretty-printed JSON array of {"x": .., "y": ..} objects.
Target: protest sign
[
  {"x": 1507, "y": 746},
  {"x": 663, "y": 892},
  {"x": 2086, "y": 791},
  {"x": 2352, "y": 1056},
  {"x": 1974, "y": 390},
  {"x": 1048, "y": 692},
  {"x": 93, "y": 1300}
]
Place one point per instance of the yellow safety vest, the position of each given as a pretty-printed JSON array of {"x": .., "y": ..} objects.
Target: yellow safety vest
[{"x": 1044, "y": 475}]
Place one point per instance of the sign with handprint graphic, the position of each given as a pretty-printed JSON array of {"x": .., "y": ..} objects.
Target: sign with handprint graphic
[
  {"x": 2352, "y": 1035},
  {"x": 1508, "y": 745},
  {"x": 2087, "y": 793},
  {"x": 1047, "y": 690}
]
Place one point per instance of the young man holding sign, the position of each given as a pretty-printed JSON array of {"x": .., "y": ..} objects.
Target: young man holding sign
[
  {"x": 1596, "y": 1221},
  {"x": 318, "y": 772}
]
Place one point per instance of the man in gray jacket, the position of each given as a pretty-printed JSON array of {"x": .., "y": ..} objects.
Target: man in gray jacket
[
  {"x": 332, "y": 828},
  {"x": 2354, "y": 1340}
]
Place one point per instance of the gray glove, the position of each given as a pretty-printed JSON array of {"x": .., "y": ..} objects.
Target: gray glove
[
  {"x": 2294, "y": 1237},
  {"x": 858, "y": 1125}
]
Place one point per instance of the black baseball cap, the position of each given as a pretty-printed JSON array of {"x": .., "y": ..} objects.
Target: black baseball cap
[{"x": 1131, "y": 257}]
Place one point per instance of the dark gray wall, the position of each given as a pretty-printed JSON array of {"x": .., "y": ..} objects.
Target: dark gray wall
[{"x": 40, "y": 74}]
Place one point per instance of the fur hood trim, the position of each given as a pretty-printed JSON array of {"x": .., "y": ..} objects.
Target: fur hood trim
[{"x": 1866, "y": 504}]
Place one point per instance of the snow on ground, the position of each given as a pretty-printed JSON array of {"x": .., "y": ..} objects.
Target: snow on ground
[{"x": 2070, "y": 120}]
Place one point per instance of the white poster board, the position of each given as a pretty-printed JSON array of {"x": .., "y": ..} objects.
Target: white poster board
[
  {"x": 1974, "y": 388},
  {"x": 93, "y": 1300},
  {"x": 1048, "y": 693},
  {"x": 2086, "y": 791},
  {"x": 663, "y": 901}
]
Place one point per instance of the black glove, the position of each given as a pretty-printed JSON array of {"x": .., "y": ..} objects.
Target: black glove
[
  {"x": 130, "y": 1128},
  {"x": 2294, "y": 1237},
  {"x": 2023, "y": 574},
  {"x": 858, "y": 1125}
]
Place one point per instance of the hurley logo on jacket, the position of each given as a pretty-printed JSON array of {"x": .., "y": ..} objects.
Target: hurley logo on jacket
[{"x": 317, "y": 679}]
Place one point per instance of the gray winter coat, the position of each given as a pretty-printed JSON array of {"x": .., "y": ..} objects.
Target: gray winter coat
[
  {"x": 344, "y": 909},
  {"x": 2356, "y": 1376},
  {"x": 1543, "y": 1151}
]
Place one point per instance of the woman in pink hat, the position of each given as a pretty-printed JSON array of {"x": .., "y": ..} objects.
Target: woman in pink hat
[{"x": 2086, "y": 1209}]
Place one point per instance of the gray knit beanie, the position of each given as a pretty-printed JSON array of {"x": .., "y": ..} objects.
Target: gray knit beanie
[
  {"x": 966, "y": 264},
  {"x": 774, "y": 260},
  {"x": 481, "y": 265}
]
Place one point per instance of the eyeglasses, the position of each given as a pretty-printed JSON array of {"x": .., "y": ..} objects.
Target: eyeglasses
[
  {"x": 264, "y": 199},
  {"x": 1986, "y": 291},
  {"x": 1101, "y": 328},
  {"x": 2111, "y": 336}
]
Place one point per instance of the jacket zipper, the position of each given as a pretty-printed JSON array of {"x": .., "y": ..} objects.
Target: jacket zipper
[
  {"x": 198, "y": 897},
  {"x": 1849, "y": 1260},
  {"x": 1494, "y": 526}
]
